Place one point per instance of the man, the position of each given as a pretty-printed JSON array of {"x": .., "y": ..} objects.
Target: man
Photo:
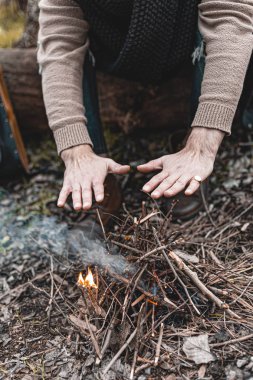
[{"x": 146, "y": 41}]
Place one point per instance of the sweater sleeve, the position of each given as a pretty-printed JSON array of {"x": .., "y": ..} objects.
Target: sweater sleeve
[
  {"x": 226, "y": 27},
  {"x": 62, "y": 45}
]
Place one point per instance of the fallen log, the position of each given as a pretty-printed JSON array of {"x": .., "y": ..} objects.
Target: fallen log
[{"x": 125, "y": 104}]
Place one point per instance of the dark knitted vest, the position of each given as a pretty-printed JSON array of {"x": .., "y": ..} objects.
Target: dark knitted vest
[{"x": 142, "y": 40}]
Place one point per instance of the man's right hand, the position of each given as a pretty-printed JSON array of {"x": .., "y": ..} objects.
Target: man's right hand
[{"x": 85, "y": 173}]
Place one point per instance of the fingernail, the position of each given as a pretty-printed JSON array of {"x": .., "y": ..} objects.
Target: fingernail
[
  {"x": 59, "y": 204},
  {"x": 77, "y": 206},
  {"x": 86, "y": 205},
  {"x": 155, "y": 194},
  {"x": 99, "y": 198},
  {"x": 145, "y": 188}
]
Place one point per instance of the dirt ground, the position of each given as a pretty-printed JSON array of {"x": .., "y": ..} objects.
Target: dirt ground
[{"x": 38, "y": 291}]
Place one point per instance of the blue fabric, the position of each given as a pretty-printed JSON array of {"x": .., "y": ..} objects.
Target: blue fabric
[{"x": 90, "y": 98}]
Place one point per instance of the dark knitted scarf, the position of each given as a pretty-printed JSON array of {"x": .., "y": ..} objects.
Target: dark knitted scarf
[{"x": 142, "y": 40}]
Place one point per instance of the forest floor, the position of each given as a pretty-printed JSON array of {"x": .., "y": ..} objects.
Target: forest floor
[{"x": 51, "y": 328}]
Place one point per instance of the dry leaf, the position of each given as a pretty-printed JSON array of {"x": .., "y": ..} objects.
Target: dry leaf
[{"x": 197, "y": 349}]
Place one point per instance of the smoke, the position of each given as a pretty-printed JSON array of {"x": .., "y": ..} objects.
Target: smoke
[{"x": 81, "y": 245}]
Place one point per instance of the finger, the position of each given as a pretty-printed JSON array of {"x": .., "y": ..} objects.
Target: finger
[
  {"x": 87, "y": 197},
  {"x": 98, "y": 188},
  {"x": 193, "y": 186},
  {"x": 114, "y": 167},
  {"x": 154, "y": 182},
  {"x": 64, "y": 193},
  {"x": 166, "y": 183},
  {"x": 76, "y": 197},
  {"x": 178, "y": 186},
  {"x": 150, "y": 166}
]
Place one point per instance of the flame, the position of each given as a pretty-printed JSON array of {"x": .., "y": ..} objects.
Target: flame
[{"x": 88, "y": 281}]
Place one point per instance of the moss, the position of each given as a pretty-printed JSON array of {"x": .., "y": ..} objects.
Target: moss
[{"x": 12, "y": 22}]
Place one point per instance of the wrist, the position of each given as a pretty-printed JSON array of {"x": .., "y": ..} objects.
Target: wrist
[
  {"x": 205, "y": 141},
  {"x": 76, "y": 152}
]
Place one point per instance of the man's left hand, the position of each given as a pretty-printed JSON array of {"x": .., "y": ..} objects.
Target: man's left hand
[{"x": 179, "y": 169}]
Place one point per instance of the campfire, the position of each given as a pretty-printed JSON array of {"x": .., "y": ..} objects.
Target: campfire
[{"x": 161, "y": 288}]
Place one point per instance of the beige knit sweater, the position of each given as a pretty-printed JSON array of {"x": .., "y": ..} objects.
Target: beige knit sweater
[{"x": 226, "y": 26}]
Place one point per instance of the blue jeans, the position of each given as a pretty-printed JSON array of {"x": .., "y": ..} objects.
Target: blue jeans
[{"x": 91, "y": 103}]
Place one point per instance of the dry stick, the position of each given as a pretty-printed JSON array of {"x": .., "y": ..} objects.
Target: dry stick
[
  {"x": 137, "y": 300},
  {"x": 103, "y": 229},
  {"x": 129, "y": 340},
  {"x": 206, "y": 206},
  {"x": 231, "y": 341},
  {"x": 93, "y": 338},
  {"x": 107, "y": 340},
  {"x": 215, "y": 258},
  {"x": 134, "y": 286},
  {"x": 155, "y": 250},
  {"x": 176, "y": 275},
  {"x": 137, "y": 342},
  {"x": 128, "y": 282},
  {"x": 143, "y": 366},
  {"x": 194, "y": 277},
  {"x": 50, "y": 303},
  {"x": 158, "y": 347},
  {"x": 135, "y": 250}
]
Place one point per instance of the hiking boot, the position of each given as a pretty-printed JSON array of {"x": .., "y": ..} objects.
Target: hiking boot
[{"x": 187, "y": 207}]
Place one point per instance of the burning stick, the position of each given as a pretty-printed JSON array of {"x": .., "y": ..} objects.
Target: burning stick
[{"x": 88, "y": 283}]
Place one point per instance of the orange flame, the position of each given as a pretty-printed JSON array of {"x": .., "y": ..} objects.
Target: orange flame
[{"x": 88, "y": 281}]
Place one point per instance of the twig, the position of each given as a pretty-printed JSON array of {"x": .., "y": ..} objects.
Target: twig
[
  {"x": 50, "y": 303},
  {"x": 129, "y": 340},
  {"x": 137, "y": 342},
  {"x": 231, "y": 341},
  {"x": 158, "y": 347},
  {"x": 194, "y": 277},
  {"x": 176, "y": 275},
  {"x": 93, "y": 338},
  {"x": 206, "y": 206}
]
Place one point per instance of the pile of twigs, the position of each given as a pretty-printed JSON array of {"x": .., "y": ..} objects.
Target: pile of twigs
[{"x": 181, "y": 281}]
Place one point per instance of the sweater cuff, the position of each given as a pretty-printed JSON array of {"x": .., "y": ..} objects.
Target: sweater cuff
[
  {"x": 71, "y": 135},
  {"x": 217, "y": 116}
]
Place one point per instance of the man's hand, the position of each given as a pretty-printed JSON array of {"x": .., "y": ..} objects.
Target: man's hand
[
  {"x": 178, "y": 170},
  {"x": 85, "y": 172}
]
